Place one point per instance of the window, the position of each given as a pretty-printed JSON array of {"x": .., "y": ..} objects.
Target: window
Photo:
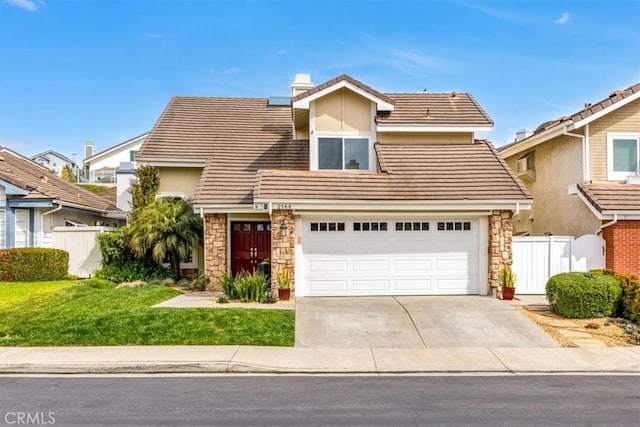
[
  {"x": 22, "y": 228},
  {"x": 412, "y": 226},
  {"x": 369, "y": 226},
  {"x": 343, "y": 153},
  {"x": 623, "y": 155},
  {"x": 132, "y": 155},
  {"x": 454, "y": 226},
  {"x": 327, "y": 226}
]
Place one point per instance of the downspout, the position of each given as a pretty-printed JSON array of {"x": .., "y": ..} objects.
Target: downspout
[
  {"x": 51, "y": 211},
  {"x": 608, "y": 224},
  {"x": 202, "y": 212}
]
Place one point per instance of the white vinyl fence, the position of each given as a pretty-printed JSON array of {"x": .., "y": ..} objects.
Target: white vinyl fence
[
  {"x": 537, "y": 258},
  {"x": 84, "y": 253}
]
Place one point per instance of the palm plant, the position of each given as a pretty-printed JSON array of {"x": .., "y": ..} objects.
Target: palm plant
[{"x": 165, "y": 228}]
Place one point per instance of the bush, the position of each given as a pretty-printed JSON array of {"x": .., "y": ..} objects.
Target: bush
[
  {"x": 251, "y": 286},
  {"x": 583, "y": 295},
  {"x": 200, "y": 283},
  {"x": 228, "y": 284},
  {"x": 269, "y": 298},
  {"x": 33, "y": 264},
  {"x": 630, "y": 306},
  {"x": 119, "y": 264}
]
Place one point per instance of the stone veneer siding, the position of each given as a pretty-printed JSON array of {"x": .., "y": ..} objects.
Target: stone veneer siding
[
  {"x": 500, "y": 238},
  {"x": 282, "y": 246},
  {"x": 215, "y": 247},
  {"x": 623, "y": 247}
]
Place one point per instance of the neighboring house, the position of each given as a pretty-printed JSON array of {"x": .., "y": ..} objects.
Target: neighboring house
[
  {"x": 357, "y": 191},
  {"x": 103, "y": 167},
  {"x": 55, "y": 162},
  {"x": 33, "y": 201},
  {"x": 583, "y": 171}
]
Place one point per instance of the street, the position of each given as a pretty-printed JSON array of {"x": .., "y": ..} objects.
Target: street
[{"x": 320, "y": 400}]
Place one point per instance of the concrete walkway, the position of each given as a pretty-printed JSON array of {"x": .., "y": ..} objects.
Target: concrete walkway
[{"x": 247, "y": 359}]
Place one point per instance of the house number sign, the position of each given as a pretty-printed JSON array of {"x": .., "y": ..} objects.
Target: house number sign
[{"x": 283, "y": 206}]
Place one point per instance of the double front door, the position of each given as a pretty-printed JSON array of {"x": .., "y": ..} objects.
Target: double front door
[{"x": 250, "y": 245}]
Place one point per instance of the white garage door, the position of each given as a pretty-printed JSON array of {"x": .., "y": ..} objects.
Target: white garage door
[{"x": 389, "y": 257}]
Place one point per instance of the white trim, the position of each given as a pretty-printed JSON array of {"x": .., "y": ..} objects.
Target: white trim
[
  {"x": 436, "y": 128},
  {"x": 305, "y": 102},
  {"x": 607, "y": 215},
  {"x": 586, "y": 155},
  {"x": 606, "y": 110},
  {"x": 226, "y": 208},
  {"x": 621, "y": 176},
  {"x": 397, "y": 205},
  {"x": 397, "y": 214},
  {"x": 105, "y": 153}
]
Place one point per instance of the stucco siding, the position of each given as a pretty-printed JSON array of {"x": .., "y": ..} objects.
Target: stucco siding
[
  {"x": 425, "y": 138},
  {"x": 179, "y": 180},
  {"x": 558, "y": 164},
  {"x": 624, "y": 119},
  {"x": 342, "y": 111}
]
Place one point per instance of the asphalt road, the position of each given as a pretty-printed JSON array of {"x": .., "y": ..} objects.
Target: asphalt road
[{"x": 321, "y": 400}]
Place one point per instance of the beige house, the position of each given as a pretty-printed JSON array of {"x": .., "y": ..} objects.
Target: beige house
[
  {"x": 583, "y": 173},
  {"x": 357, "y": 192}
]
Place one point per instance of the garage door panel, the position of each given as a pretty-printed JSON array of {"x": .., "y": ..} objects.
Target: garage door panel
[
  {"x": 414, "y": 258},
  {"x": 419, "y": 265},
  {"x": 323, "y": 266},
  {"x": 328, "y": 286},
  {"x": 413, "y": 284},
  {"x": 371, "y": 265},
  {"x": 370, "y": 285}
]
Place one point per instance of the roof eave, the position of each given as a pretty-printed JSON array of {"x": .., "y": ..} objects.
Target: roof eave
[
  {"x": 381, "y": 104},
  {"x": 171, "y": 162},
  {"x": 381, "y": 127}
]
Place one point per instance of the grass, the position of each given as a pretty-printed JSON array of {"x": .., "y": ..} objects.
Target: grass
[{"x": 93, "y": 312}]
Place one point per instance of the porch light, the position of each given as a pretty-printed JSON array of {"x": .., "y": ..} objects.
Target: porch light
[{"x": 283, "y": 228}]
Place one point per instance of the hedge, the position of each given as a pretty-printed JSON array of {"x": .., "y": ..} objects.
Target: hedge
[
  {"x": 33, "y": 264},
  {"x": 630, "y": 294},
  {"x": 584, "y": 295}
]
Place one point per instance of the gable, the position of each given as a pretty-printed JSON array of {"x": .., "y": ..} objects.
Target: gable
[{"x": 343, "y": 110}]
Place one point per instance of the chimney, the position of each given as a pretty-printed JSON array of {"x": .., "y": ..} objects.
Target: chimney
[
  {"x": 302, "y": 83},
  {"x": 522, "y": 134},
  {"x": 89, "y": 149}
]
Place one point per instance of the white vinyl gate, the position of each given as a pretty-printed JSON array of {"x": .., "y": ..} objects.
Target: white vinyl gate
[
  {"x": 84, "y": 253},
  {"x": 537, "y": 258}
]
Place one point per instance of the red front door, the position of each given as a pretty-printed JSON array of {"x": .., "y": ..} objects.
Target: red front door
[{"x": 250, "y": 245}]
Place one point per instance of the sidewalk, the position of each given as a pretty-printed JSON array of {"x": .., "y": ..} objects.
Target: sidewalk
[{"x": 283, "y": 360}]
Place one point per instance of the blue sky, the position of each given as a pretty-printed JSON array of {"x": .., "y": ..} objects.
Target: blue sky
[{"x": 76, "y": 70}]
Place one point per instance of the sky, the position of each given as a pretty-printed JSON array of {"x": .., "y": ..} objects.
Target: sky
[{"x": 103, "y": 70}]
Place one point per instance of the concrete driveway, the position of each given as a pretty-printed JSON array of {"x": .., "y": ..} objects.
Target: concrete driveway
[{"x": 414, "y": 322}]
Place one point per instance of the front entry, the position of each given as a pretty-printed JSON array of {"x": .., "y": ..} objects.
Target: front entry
[{"x": 250, "y": 245}]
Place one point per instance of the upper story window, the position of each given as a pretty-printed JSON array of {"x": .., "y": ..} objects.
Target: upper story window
[
  {"x": 623, "y": 155},
  {"x": 337, "y": 153},
  {"x": 132, "y": 155}
]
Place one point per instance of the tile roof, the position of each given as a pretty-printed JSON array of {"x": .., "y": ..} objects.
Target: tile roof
[
  {"x": 199, "y": 127},
  {"x": 613, "y": 196},
  {"x": 589, "y": 110},
  {"x": 409, "y": 172},
  {"x": 434, "y": 109},
  {"x": 341, "y": 78},
  {"x": 42, "y": 184}
]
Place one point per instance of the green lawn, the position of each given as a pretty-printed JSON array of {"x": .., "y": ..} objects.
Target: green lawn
[{"x": 93, "y": 312}]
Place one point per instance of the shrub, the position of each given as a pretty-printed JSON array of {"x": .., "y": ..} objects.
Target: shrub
[
  {"x": 228, "y": 284},
  {"x": 200, "y": 283},
  {"x": 250, "y": 286},
  {"x": 119, "y": 264},
  {"x": 33, "y": 264},
  {"x": 223, "y": 299},
  {"x": 184, "y": 284},
  {"x": 269, "y": 298},
  {"x": 630, "y": 305},
  {"x": 583, "y": 295}
]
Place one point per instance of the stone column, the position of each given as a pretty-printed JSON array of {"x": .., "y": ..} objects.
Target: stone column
[
  {"x": 215, "y": 236},
  {"x": 282, "y": 245},
  {"x": 500, "y": 237}
]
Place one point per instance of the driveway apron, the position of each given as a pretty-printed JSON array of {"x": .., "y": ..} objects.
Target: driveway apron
[{"x": 414, "y": 322}]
